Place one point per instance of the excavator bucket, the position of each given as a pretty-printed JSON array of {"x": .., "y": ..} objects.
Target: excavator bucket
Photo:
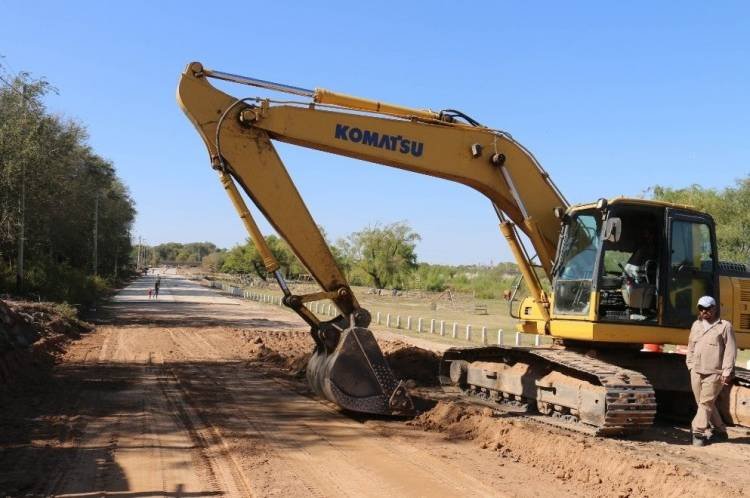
[{"x": 355, "y": 375}]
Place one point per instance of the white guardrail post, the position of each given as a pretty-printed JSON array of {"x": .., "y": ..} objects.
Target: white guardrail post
[
  {"x": 455, "y": 328},
  {"x": 442, "y": 327},
  {"x": 484, "y": 335},
  {"x": 499, "y": 337},
  {"x": 468, "y": 333},
  {"x": 432, "y": 325},
  {"x": 408, "y": 323}
]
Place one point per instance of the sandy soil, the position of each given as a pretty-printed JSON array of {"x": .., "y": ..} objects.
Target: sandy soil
[{"x": 198, "y": 394}]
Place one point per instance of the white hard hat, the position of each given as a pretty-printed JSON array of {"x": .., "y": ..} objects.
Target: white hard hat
[{"x": 706, "y": 302}]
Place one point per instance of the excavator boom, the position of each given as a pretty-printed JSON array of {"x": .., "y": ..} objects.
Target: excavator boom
[{"x": 348, "y": 366}]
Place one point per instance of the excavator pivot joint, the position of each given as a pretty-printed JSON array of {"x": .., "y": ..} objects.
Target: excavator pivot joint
[
  {"x": 196, "y": 68},
  {"x": 497, "y": 159},
  {"x": 248, "y": 116}
]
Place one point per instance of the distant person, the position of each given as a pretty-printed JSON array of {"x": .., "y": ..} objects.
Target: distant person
[
  {"x": 157, "y": 284},
  {"x": 150, "y": 291},
  {"x": 712, "y": 351}
]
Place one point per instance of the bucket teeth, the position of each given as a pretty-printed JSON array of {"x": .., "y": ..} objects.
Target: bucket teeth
[{"x": 356, "y": 376}]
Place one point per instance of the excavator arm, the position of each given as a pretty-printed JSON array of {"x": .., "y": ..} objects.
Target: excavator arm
[{"x": 238, "y": 134}]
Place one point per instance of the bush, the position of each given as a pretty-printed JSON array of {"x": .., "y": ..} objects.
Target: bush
[{"x": 65, "y": 284}]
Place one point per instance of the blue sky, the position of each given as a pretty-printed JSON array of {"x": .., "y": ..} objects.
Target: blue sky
[{"x": 611, "y": 97}]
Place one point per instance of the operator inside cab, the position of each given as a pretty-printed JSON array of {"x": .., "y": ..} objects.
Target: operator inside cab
[{"x": 630, "y": 270}]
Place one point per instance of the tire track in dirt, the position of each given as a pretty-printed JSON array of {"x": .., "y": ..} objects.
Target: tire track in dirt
[
  {"x": 132, "y": 440},
  {"x": 216, "y": 456},
  {"x": 336, "y": 460}
]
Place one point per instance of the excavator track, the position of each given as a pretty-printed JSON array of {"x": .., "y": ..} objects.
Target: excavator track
[
  {"x": 734, "y": 404},
  {"x": 561, "y": 387},
  {"x": 742, "y": 377}
]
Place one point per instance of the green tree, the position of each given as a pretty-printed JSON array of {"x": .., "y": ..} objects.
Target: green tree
[
  {"x": 213, "y": 262},
  {"x": 386, "y": 254},
  {"x": 53, "y": 189},
  {"x": 239, "y": 260},
  {"x": 729, "y": 210}
]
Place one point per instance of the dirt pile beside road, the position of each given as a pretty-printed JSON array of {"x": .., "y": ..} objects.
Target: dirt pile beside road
[
  {"x": 32, "y": 336},
  {"x": 287, "y": 349},
  {"x": 412, "y": 363},
  {"x": 599, "y": 467},
  {"x": 291, "y": 349}
]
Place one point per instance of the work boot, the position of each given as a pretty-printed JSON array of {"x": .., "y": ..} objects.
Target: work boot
[
  {"x": 719, "y": 436},
  {"x": 699, "y": 440}
]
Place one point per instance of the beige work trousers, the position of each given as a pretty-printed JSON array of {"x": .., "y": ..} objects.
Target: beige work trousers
[{"x": 706, "y": 388}]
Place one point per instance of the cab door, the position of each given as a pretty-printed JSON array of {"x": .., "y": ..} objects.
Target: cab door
[{"x": 692, "y": 266}]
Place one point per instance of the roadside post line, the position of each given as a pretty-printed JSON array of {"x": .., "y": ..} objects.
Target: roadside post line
[
  {"x": 398, "y": 321},
  {"x": 468, "y": 333},
  {"x": 518, "y": 338},
  {"x": 455, "y": 327},
  {"x": 432, "y": 326},
  {"x": 408, "y": 323},
  {"x": 499, "y": 337},
  {"x": 537, "y": 340},
  {"x": 442, "y": 327},
  {"x": 484, "y": 335},
  {"x": 388, "y": 320},
  {"x": 377, "y": 318},
  {"x": 419, "y": 325}
]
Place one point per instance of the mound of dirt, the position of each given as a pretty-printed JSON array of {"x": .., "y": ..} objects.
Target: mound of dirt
[
  {"x": 598, "y": 466},
  {"x": 289, "y": 349},
  {"x": 413, "y": 363},
  {"x": 16, "y": 330},
  {"x": 32, "y": 335}
]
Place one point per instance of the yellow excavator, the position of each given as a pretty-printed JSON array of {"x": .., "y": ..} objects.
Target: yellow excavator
[{"x": 621, "y": 272}]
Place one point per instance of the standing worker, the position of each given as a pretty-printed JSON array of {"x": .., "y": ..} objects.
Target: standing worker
[
  {"x": 712, "y": 351},
  {"x": 157, "y": 284}
]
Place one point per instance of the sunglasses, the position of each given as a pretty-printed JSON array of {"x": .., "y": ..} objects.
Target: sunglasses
[{"x": 701, "y": 308}]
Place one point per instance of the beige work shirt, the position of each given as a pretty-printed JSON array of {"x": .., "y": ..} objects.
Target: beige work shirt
[{"x": 712, "y": 349}]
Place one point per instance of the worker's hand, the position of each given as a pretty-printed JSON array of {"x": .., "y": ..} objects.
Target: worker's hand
[{"x": 726, "y": 380}]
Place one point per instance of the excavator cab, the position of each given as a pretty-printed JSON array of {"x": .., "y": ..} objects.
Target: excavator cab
[{"x": 634, "y": 261}]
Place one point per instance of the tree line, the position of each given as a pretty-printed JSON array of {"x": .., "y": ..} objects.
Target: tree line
[
  {"x": 174, "y": 253},
  {"x": 728, "y": 207},
  {"x": 384, "y": 256},
  {"x": 380, "y": 256},
  {"x": 65, "y": 216}
]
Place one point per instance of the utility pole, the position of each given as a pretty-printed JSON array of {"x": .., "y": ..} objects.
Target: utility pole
[
  {"x": 96, "y": 230},
  {"x": 117, "y": 251},
  {"x": 21, "y": 232},
  {"x": 22, "y": 213}
]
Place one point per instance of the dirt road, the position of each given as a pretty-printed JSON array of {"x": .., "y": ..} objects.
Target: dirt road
[{"x": 197, "y": 394}]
